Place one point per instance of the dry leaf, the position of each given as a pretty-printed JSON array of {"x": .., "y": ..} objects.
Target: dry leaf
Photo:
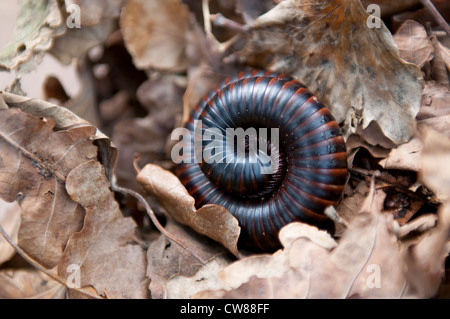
[
  {"x": 41, "y": 167},
  {"x": 350, "y": 206},
  {"x": 435, "y": 172},
  {"x": 35, "y": 161},
  {"x": 435, "y": 100},
  {"x": 211, "y": 220},
  {"x": 413, "y": 43},
  {"x": 84, "y": 104},
  {"x": 97, "y": 19},
  {"x": 293, "y": 231},
  {"x": 183, "y": 287},
  {"x": 441, "y": 62},
  {"x": 77, "y": 41},
  {"x": 353, "y": 69},
  {"x": 167, "y": 260},
  {"x": 95, "y": 11},
  {"x": 153, "y": 32},
  {"x": 105, "y": 250},
  {"x": 425, "y": 260},
  {"x": 63, "y": 120},
  {"x": 9, "y": 221},
  {"x": 368, "y": 262},
  {"x": 144, "y": 136},
  {"x": 20, "y": 284},
  {"x": 407, "y": 156}
]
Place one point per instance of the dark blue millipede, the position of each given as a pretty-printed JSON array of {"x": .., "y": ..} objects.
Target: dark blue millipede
[{"x": 309, "y": 155}]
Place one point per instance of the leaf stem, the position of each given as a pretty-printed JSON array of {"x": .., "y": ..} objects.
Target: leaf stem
[{"x": 150, "y": 213}]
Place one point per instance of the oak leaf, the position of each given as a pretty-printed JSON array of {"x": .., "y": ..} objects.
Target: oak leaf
[
  {"x": 352, "y": 68},
  {"x": 34, "y": 164}
]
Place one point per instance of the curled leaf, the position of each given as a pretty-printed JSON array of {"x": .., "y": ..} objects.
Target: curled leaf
[
  {"x": 38, "y": 23},
  {"x": 210, "y": 220}
]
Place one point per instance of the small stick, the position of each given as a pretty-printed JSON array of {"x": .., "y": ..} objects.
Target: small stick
[
  {"x": 437, "y": 15},
  {"x": 152, "y": 216},
  {"x": 207, "y": 20},
  {"x": 220, "y": 20}
]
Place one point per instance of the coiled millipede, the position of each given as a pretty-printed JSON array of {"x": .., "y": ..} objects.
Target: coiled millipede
[{"x": 289, "y": 164}]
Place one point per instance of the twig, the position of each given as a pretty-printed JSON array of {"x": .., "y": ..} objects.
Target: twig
[
  {"x": 207, "y": 20},
  {"x": 437, "y": 15},
  {"x": 150, "y": 213},
  {"x": 39, "y": 267},
  {"x": 219, "y": 20}
]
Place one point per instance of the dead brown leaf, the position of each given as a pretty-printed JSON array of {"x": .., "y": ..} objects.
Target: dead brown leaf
[
  {"x": 95, "y": 11},
  {"x": 20, "y": 284},
  {"x": 38, "y": 23},
  {"x": 106, "y": 249},
  {"x": 210, "y": 220},
  {"x": 77, "y": 41},
  {"x": 183, "y": 287},
  {"x": 10, "y": 221},
  {"x": 441, "y": 62},
  {"x": 368, "y": 262},
  {"x": 435, "y": 172},
  {"x": 154, "y": 33},
  {"x": 41, "y": 167},
  {"x": 144, "y": 136},
  {"x": 64, "y": 119},
  {"x": 167, "y": 260},
  {"x": 407, "y": 156},
  {"x": 435, "y": 100},
  {"x": 34, "y": 175},
  {"x": 425, "y": 259},
  {"x": 353, "y": 69},
  {"x": 413, "y": 43}
]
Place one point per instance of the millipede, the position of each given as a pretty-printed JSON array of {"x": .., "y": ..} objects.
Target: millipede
[{"x": 302, "y": 142}]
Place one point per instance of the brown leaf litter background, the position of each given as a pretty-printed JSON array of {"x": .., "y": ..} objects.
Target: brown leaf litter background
[{"x": 86, "y": 116}]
